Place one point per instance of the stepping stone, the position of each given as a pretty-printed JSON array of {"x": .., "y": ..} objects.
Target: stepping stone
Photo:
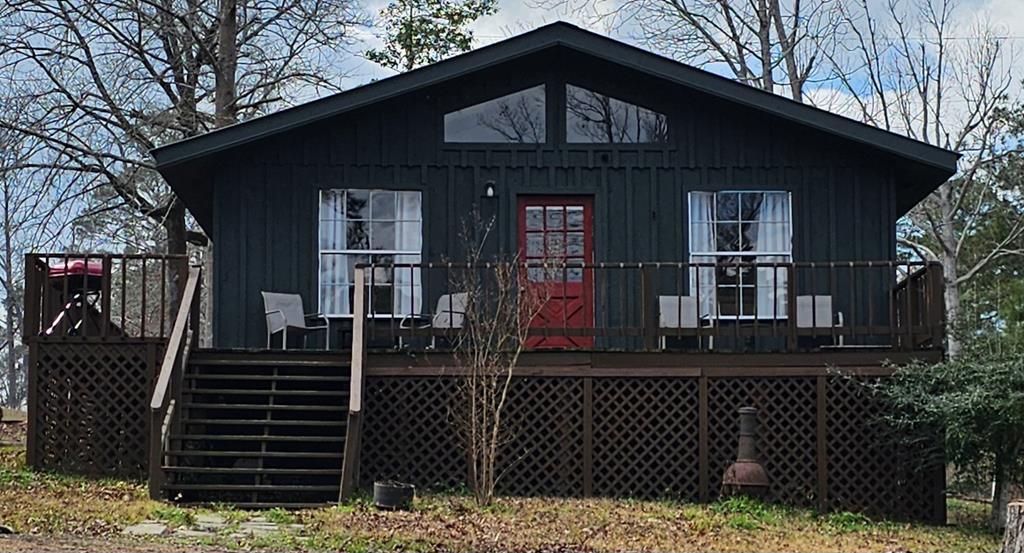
[
  {"x": 210, "y": 519},
  {"x": 187, "y": 533},
  {"x": 147, "y": 528}
]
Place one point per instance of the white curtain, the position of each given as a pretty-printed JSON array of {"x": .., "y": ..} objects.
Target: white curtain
[
  {"x": 702, "y": 240},
  {"x": 774, "y": 235},
  {"x": 408, "y": 238}
]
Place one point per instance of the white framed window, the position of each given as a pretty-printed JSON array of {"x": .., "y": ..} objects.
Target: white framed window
[
  {"x": 370, "y": 226},
  {"x": 729, "y": 228}
]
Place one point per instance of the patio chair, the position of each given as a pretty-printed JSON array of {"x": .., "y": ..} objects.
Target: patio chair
[
  {"x": 285, "y": 314},
  {"x": 680, "y": 312},
  {"x": 449, "y": 314},
  {"x": 816, "y": 312}
]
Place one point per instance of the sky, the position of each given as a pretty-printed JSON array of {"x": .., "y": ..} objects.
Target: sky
[{"x": 517, "y": 16}]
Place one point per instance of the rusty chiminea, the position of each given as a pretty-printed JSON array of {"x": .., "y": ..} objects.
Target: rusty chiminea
[{"x": 746, "y": 476}]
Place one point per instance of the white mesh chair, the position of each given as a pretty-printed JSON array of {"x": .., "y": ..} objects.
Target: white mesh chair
[
  {"x": 449, "y": 314},
  {"x": 816, "y": 312},
  {"x": 680, "y": 312},
  {"x": 285, "y": 314}
]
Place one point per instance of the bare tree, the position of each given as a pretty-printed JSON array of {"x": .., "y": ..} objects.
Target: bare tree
[
  {"x": 906, "y": 71},
  {"x": 770, "y": 44},
  {"x": 500, "y": 305},
  {"x": 111, "y": 79},
  {"x": 36, "y": 206}
]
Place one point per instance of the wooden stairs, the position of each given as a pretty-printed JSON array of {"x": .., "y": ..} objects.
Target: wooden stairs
[{"x": 259, "y": 429}]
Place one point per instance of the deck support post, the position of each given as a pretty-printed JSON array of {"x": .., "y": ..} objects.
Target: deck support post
[{"x": 350, "y": 458}]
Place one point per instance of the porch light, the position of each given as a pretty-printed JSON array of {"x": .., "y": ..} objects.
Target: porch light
[{"x": 489, "y": 189}]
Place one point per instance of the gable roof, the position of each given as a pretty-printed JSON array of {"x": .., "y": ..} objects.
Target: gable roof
[{"x": 555, "y": 34}]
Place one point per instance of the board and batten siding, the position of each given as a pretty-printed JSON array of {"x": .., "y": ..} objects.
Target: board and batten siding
[{"x": 266, "y": 195}]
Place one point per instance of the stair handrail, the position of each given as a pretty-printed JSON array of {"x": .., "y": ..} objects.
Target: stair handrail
[{"x": 183, "y": 339}]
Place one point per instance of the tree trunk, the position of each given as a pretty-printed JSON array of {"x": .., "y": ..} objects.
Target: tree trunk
[
  {"x": 1013, "y": 538},
  {"x": 1000, "y": 499},
  {"x": 174, "y": 226},
  {"x": 10, "y": 313},
  {"x": 948, "y": 257},
  {"x": 225, "y": 109}
]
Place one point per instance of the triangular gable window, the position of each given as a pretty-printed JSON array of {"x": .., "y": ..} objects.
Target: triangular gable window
[
  {"x": 514, "y": 118},
  {"x": 595, "y": 118}
]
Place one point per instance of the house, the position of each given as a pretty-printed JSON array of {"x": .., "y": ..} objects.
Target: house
[{"x": 705, "y": 245}]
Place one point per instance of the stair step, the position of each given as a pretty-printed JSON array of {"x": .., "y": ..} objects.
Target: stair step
[
  {"x": 257, "y": 438},
  {"x": 271, "y": 360},
  {"x": 266, "y": 377},
  {"x": 256, "y": 505},
  {"x": 253, "y": 471},
  {"x": 250, "y": 487},
  {"x": 253, "y": 454},
  {"x": 263, "y": 422},
  {"x": 252, "y": 406},
  {"x": 237, "y": 392}
]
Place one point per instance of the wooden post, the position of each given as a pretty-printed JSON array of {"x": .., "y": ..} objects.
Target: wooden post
[
  {"x": 350, "y": 458},
  {"x": 1013, "y": 537},
  {"x": 649, "y": 307},
  {"x": 703, "y": 480},
  {"x": 588, "y": 437},
  {"x": 822, "y": 444}
]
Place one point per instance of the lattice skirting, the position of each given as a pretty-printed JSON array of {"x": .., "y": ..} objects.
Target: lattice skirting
[
  {"x": 669, "y": 437},
  {"x": 89, "y": 407}
]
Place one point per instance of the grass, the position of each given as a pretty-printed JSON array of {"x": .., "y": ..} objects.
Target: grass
[{"x": 50, "y": 504}]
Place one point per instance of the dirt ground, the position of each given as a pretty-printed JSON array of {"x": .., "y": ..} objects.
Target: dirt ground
[{"x": 71, "y": 544}]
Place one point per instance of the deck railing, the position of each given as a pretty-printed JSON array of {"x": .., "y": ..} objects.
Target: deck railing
[
  {"x": 109, "y": 296},
  {"x": 735, "y": 306},
  {"x": 167, "y": 391}
]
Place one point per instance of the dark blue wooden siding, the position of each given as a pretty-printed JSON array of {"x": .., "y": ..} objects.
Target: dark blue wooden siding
[{"x": 266, "y": 196}]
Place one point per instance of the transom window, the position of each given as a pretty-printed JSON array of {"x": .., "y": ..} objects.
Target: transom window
[
  {"x": 519, "y": 117},
  {"x": 729, "y": 229},
  {"x": 370, "y": 226},
  {"x": 594, "y": 118}
]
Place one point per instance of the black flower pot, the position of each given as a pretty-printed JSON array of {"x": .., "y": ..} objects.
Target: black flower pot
[{"x": 393, "y": 496}]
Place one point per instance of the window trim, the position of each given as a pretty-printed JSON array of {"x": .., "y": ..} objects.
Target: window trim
[
  {"x": 368, "y": 252},
  {"x": 720, "y": 254}
]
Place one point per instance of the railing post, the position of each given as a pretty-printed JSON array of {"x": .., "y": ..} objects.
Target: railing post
[
  {"x": 937, "y": 309},
  {"x": 350, "y": 458},
  {"x": 648, "y": 307},
  {"x": 791, "y": 334},
  {"x": 34, "y": 283},
  {"x": 156, "y": 454}
]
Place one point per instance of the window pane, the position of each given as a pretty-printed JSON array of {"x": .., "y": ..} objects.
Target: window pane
[
  {"x": 574, "y": 215},
  {"x": 410, "y": 206},
  {"x": 727, "y": 206},
  {"x": 515, "y": 118},
  {"x": 728, "y": 300},
  {"x": 574, "y": 246},
  {"x": 356, "y": 204},
  {"x": 332, "y": 235},
  {"x": 332, "y": 205},
  {"x": 358, "y": 235},
  {"x": 555, "y": 218},
  {"x": 382, "y": 236},
  {"x": 702, "y": 237},
  {"x": 534, "y": 244},
  {"x": 383, "y": 206},
  {"x": 727, "y": 237},
  {"x": 534, "y": 218},
  {"x": 702, "y": 206},
  {"x": 555, "y": 245},
  {"x": 409, "y": 236},
  {"x": 575, "y": 274},
  {"x": 748, "y": 300},
  {"x": 750, "y": 206},
  {"x": 594, "y": 118}
]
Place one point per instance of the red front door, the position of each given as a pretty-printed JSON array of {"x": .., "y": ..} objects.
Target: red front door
[{"x": 556, "y": 230}]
